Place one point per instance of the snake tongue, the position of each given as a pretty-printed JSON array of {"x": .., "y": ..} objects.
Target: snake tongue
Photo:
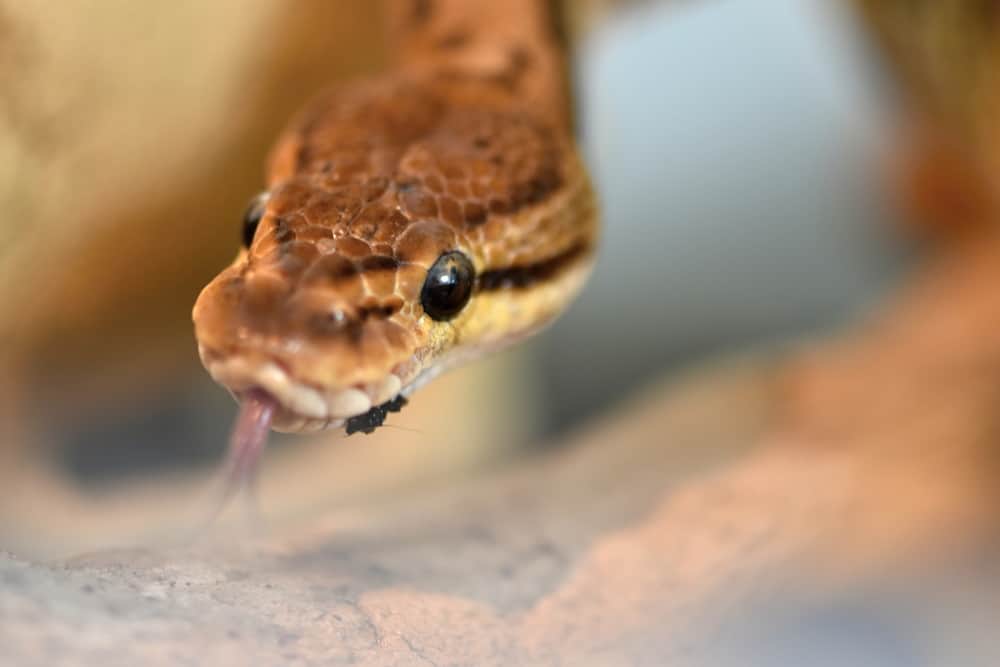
[{"x": 247, "y": 441}]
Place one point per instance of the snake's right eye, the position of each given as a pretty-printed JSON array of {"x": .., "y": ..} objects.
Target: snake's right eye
[{"x": 255, "y": 211}]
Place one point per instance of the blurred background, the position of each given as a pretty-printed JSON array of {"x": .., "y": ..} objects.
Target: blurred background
[
  {"x": 736, "y": 147},
  {"x": 739, "y": 149},
  {"x": 771, "y": 173}
]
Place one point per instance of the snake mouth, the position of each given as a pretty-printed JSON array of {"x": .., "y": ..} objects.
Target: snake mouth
[{"x": 300, "y": 407}]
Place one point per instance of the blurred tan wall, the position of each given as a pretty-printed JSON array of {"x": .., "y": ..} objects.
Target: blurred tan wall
[
  {"x": 947, "y": 53},
  {"x": 131, "y": 136}
]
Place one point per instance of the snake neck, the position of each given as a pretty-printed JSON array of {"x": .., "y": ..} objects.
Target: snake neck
[{"x": 519, "y": 44}]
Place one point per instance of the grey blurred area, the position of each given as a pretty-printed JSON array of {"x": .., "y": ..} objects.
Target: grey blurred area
[{"x": 736, "y": 146}]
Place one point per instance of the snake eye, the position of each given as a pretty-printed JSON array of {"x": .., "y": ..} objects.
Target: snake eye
[
  {"x": 448, "y": 286},
  {"x": 255, "y": 211}
]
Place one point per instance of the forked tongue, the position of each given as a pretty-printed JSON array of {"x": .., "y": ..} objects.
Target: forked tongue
[{"x": 246, "y": 443}]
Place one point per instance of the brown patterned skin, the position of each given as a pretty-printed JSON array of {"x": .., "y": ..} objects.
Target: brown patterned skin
[{"x": 372, "y": 183}]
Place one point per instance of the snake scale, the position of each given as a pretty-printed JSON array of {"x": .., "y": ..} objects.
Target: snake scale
[{"x": 411, "y": 222}]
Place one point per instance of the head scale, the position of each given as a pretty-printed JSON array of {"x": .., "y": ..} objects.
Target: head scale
[{"x": 404, "y": 230}]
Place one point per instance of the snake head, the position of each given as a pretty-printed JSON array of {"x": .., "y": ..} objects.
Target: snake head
[
  {"x": 409, "y": 227},
  {"x": 339, "y": 304}
]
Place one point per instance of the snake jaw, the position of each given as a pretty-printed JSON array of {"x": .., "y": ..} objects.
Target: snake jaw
[{"x": 299, "y": 407}]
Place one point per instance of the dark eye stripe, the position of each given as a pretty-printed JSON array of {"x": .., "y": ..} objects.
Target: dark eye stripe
[{"x": 519, "y": 277}]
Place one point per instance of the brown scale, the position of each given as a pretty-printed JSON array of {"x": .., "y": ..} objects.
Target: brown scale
[{"x": 375, "y": 180}]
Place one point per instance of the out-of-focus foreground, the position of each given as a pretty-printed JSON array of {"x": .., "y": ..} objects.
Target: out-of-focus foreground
[{"x": 830, "y": 500}]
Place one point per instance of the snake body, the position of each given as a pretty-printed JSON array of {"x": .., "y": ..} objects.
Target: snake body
[{"x": 456, "y": 170}]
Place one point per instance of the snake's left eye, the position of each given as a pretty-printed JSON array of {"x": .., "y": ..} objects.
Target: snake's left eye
[
  {"x": 255, "y": 211},
  {"x": 448, "y": 286}
]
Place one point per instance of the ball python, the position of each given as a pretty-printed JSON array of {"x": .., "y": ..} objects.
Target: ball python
[{"x": 411, "y": 222}]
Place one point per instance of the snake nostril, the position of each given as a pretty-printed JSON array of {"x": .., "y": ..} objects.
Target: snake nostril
[{"x": 328, "y": 322}]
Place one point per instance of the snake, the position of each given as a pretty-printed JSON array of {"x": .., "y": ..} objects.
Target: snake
[{"x": 412, "y": 221}]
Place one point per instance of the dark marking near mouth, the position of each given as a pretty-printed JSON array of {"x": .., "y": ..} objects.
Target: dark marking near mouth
[
  {"x": 519, "y": 277},
  {"x": 371, "y": 420}
]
